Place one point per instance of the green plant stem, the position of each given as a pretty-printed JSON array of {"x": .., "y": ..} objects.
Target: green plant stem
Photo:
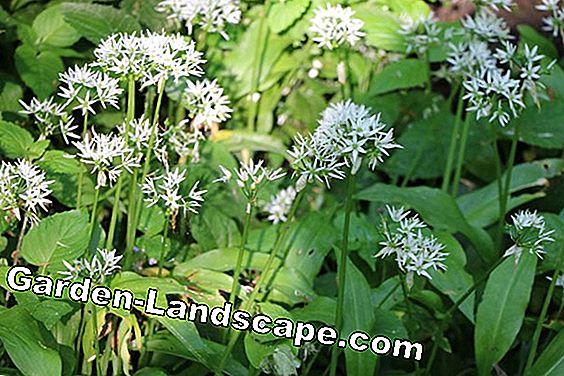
[
  {"x": 538, "y": 328},
  {"x": 81, "y": 172},
  {"x": 453, "y": 142},
  {"x": 248, "y": 304},
  {"x": 237, "y": 273},
  {"x": 461, "y": 155},
  {"x": 429, "y": 85},
  {"x": 96, "y": 346},
  {"x": 504, "y": 198},
  {"x": 452, "y": 310},
  {"x": 257, "y": 66},
  {"x": 20, "y": 240},
  {"x": 136, "y": 215},
  {"x": 405, "y": 294},
  {"x": 93, "y": 215},
  {"x": 117, "y": 194},
  {"x": 164, "y": 246},
  {"x": 342, "y": 269}
]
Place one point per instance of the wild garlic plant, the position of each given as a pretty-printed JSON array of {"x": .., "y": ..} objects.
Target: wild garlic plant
[
  {"x": 406, "y": 238},
  {"x": 529, "y": 233},
  {"x": 102, "y": 265},
  {"x": 554, "y": 20}
]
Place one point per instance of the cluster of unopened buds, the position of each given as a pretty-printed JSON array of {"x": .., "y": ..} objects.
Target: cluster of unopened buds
[{"x": 529, "y": 233}]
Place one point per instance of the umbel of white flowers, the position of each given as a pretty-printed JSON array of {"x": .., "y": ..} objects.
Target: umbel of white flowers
[
  {"x": 280, "y": 204},
  {"x": 347, "y": 135},
  {"x": 211, "y": 15},
  {"x": 496, "y": 74},
  {"x": 415, "y": 252},
  {"x": 23, "y": 190},
  {"x": 151, "y": 58},
  {"x": 334, "y": 25},
  {"x": 554, "y": 21},
  {"x": 250, "y": 178},
  {"x": 103, "y": 264},
  {"x": 529, "y": 234}
]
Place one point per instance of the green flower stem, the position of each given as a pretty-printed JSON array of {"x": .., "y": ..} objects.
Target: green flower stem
[
  {"x": 95, "y": 338},
  {"x": 448, "y": 315},
  {"x": 405, "y": 294},
  {"x": 132, "y": 224},
  {"x": 237, "y": 272},
  {"x": 540, "y": 321},
  {"x": 342, "y": 269},
  {"x": 504, "y": 198},
  {"x": 81, "y": 172},
  {"x": 117, "y": 195},
  {"x": 461, "y": 155},
  {"x": 20, "y": 241},
  {"x": 248, "y": 304},
  {"x": 453, "y": 142},
  {"x": 164, "y": 246},
  {"x": 93, "y": 215},
  {"x": 257, "y": 67}
]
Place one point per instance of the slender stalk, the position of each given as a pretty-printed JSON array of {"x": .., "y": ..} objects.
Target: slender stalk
[
  {"x": 237, "y": 273},
  {"x": 405, "y": 294},
  {"x": 248, "y": 304},
  {"x": 20, "y": 240},
  {"x": 461, "y": 155},
  {"x": 453, "y": 142},
  {"x": 81, "y": 172},
  {"x": 117, "y": 195},
  {"x": 257, "y": 67},
  {"x": 452, "y": 310},
  {"x": 93, "y": 215},
  {"x": 96, "y": 346},
  {"x": 504, "y": 198},
  {"x": 164, "y": 246},
  {"x": 499, "y": 235},
  {"x": 538, "y": 328},
  {"x": 342, "y": 269},
  {"x": 136, "y": 215}
]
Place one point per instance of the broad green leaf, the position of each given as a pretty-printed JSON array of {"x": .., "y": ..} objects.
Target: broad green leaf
[
  {"x": 551, "y": 360},
  {"x": 283, "y": 15},
  {"x": 39, "y": 70},
  {"x": 554, "y": 257},
  {"x": 187, "y": 334},
  {"x": 480, "y": 207},
  {"x": 139, "y": 286},
  {"x": 214, "y": 229},
  {"x": 437, "y": 208},
  {"x": 237, "y": 140},
  {"x": 16, "y": 142},
  {"x": 381, "y": 27},
  {"x": 388, "y": 294},
  {"x": 10, "y": 94},
  {"x": 542, "y": 127},
  {"x": 257, "y": 351},
  {"x": 21, "y": 337},
  {"x": 224, "y": 260},
  {"x": 50, "y": 311},
  {"x": 59, "y": 162},
  {"x": 362, "y": 317},
  {"x": 455, "y": 281},
  {"x": 151, "y": 220},
  {"x": 403, "y": 74},
  {"x": 205, "y": 286},
  {"x": 388, "y": 324},
  {"x": 321, "y": 309},
  {"x": 502, "y": 309},
  {"x": 168, "y": 344},
  {"x": 150, "y": 371},
  {"x": 95, "y": 21},
  {"x": 51, "y": 28},
  {"x": 291, "y": 287},
  {"x": 62, "y": 236}
]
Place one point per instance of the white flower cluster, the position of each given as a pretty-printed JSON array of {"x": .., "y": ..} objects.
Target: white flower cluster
[
  {"x": 554, "y": 22},
  {"x": 528, "y": 232},
  {"x": 250, "y": 177},
  {"x": 96, "y": 268},
  {"x": 108, "y": 154},
  {"x": 165, "y": 189},
  {"x": 334, "y": 25},
  {"x": 51, "y": 118},
  {"x": 206, "y": 103},
  {"x": 347, "y": 134},
  {"x": 23, "y": 188},
  {"x": 496, "y": 75},
  {"x": 414, "y": 251},
  {"x": 420, "y": 34},
  {"x": 82, "y": 88},
  {"x": 87, "y": 87},
  {"x": 280, "y": 205},
  {"x": 149, "y": 57},
  {"x": 211, "y": 15}
]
